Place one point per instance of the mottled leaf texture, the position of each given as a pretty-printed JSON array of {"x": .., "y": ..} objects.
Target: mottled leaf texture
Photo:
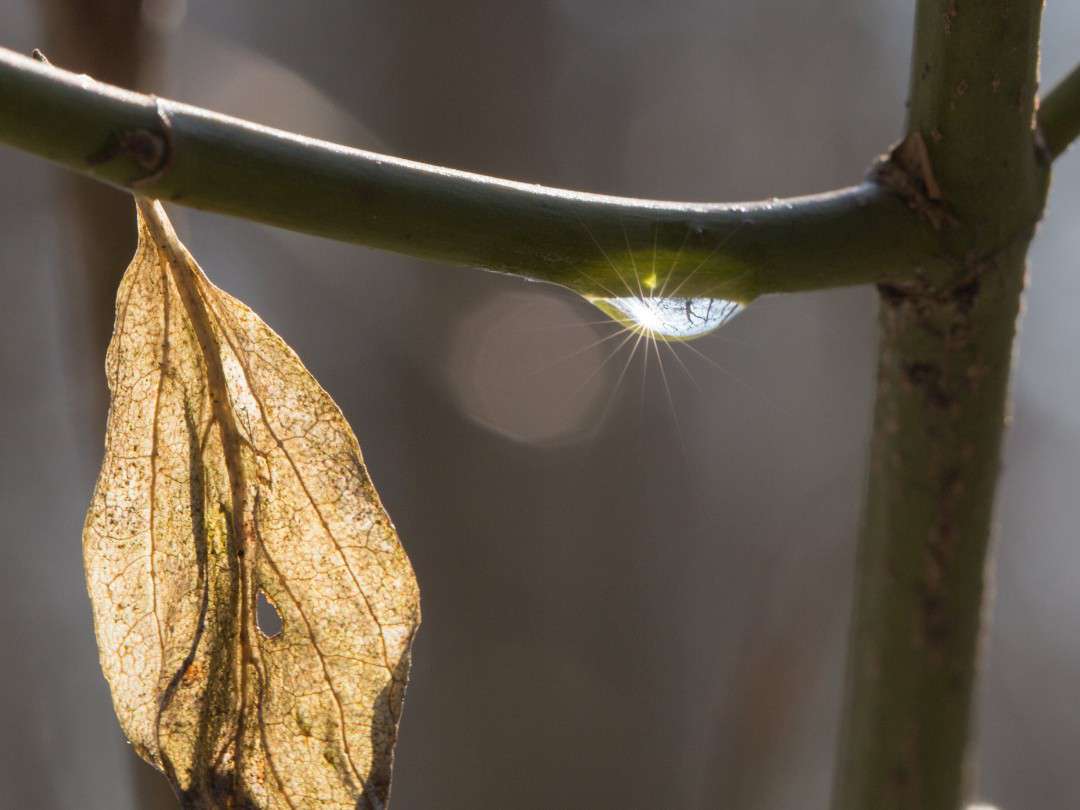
[{"x": 230, "y": 475}]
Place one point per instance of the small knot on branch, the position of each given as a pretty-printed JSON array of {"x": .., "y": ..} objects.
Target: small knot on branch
[
  {"x": 150, "y": 149},
  {"x": 907, "y": 171}
]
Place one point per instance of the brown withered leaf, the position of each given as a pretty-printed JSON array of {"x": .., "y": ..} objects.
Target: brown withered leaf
[{"x": 229, "y": 474}]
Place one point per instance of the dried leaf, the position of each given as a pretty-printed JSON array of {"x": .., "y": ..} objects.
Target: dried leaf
[{"x": 230, "y": 475}]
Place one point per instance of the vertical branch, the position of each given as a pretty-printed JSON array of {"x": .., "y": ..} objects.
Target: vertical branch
[{"x": 971, "y": 165}]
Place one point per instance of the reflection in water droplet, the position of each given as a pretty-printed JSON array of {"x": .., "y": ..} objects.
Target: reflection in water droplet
[{"x": 670, "y": 318}]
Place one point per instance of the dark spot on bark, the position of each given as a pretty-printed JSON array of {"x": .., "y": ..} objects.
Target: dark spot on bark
[
  {"x": 935, "y": 619},
  {"x": 965, "y": 296},
  {"x": 891, "y": 295},
  {"x": 926, "y": 377},
  {"x": 146, "y": 147},
  {"x": 939, "y": 551},
  {"x": 149, "y": 149}
]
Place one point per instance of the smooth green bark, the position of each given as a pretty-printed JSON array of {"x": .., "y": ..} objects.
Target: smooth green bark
[
  {"x": 204, "y": 160},
  {"x": 1059, "y": 114},
  {"x": 945, "y": 350}
]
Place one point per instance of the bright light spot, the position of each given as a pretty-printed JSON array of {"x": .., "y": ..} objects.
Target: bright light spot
[
  {"x": 643, "y": 314},
  {"x": 670, "y": 318}
]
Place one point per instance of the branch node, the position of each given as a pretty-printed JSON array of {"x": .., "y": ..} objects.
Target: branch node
[
  {"x": 908, "y": 172},
  {"x": 150, "y": 149},
  {"x": 160, "y": 147}
]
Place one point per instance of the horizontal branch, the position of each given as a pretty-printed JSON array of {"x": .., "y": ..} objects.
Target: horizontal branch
[
  {"x": 589, "y": 242},
  {"x": 1059, "y": 114}
]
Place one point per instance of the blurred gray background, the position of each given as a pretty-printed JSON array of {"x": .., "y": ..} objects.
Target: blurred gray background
[{"x": 635, "y": 595}]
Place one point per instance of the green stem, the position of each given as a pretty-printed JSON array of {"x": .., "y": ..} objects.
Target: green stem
[
  {"x": 1059, "y": 114},
  {"x": 208, "y": 161},
  {"x": 944, "y": 358},
  {"x": 589, "y": 242}
]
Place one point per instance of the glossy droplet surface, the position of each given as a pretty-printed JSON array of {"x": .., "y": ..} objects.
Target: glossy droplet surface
[{"x": 670, "y": 318}]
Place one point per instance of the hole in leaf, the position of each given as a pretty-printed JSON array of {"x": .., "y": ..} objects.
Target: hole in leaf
[{"x": 267, "y": 616}]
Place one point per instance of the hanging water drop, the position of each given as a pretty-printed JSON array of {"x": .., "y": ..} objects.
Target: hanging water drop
[{"x": 670, "y": 318}]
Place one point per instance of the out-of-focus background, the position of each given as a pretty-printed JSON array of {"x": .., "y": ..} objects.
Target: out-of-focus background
[{"x": 636, "y": 586}]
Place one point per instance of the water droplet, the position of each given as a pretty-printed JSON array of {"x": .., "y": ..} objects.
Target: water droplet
[{"x": 670, "y": 318}]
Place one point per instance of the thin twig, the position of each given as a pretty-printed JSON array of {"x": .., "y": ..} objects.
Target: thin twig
[{"x": 853, "y": 236}]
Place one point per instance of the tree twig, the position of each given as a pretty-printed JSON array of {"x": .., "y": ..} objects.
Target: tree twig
[
  {"x": 1059, "y": 114},
  {"x": 190, "y": 156}
]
